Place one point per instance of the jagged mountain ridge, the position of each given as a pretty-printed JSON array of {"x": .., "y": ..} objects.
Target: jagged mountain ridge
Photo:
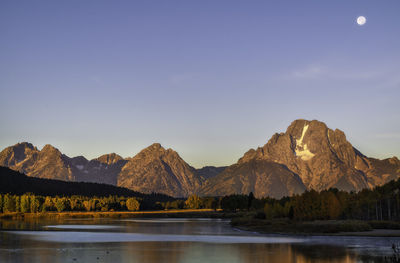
[
  {"x": 154, "y": 169},
  {"x": 320, "y": 156},
  {"x": 308, "y": 155}
]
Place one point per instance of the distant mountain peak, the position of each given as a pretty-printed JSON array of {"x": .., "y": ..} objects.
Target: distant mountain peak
[
  {"x": 394, "y": 160},
  {"x": 25, "y": 145},
  {"x": 156, "y": 146},
  {"x": 155, "y": 169},
  {"x": 48, "y": 148},
  {"x": 156, "y": 151},
  {"x": 80, "y": 159},
  {"x": 110, "y": 158},
  {"x": 17, "y": 153}
]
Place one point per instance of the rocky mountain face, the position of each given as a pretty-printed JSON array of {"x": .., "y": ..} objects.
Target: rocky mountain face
[
  {"x": 322, "y": 158},
  {"x": 154, "y": 169},
  {"x": 262, "y": 177},
  {"x": 208, "y": 172},
  {"x": 50, "y": 163},
  {"x": 47, "y": 163},
  {"x": 308, "y": 155}
]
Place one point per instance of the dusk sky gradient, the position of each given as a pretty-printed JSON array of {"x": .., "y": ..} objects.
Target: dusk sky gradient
[{"x": 210, "y": 79}]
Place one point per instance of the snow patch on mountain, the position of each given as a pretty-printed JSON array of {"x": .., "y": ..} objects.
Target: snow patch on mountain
[{"x": 301, "y": 148}]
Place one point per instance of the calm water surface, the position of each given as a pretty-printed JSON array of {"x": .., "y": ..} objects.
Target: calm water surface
[{"x": 173, "y": 240}]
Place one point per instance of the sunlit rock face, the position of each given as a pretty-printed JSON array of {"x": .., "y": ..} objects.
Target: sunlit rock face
[
  {"x": 47, "y": 163},
  {"x": 321, "y": 157},
  {"x": 52, "y": 164},
  {"x": 154, "y": 169},
  {"x": 262, "y": 177},
  {"x": 160, "y": 170}
]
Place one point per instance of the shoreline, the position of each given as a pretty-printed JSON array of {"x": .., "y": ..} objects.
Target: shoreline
[
  {"x": 318, "y": 228},
  {"x": 370, "y": 233},
  {"x": 117, "y": 214}
]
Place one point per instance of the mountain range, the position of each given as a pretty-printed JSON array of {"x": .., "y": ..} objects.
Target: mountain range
[{"x": 307, "y": 156}]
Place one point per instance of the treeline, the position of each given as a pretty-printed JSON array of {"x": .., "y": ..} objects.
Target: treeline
[
  {"x": 380, "y": 203},
  {"x": 227, "y": 203},
  {"x": 30, "y": 203}
]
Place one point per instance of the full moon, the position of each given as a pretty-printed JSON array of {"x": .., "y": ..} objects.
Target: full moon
[{"x": 361, "y": 20}]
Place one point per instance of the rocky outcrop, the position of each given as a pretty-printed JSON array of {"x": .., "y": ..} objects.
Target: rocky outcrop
[{"x": 160, "y": 170}]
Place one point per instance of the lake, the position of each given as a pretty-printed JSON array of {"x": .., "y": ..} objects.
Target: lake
[{"x": 173, "y": 240}]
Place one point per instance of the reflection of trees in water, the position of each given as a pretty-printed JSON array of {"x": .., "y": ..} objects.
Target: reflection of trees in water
[
  {"x": 264, "y": 253},
  {"x": 331, "y": 253},
  {"x": 209, "y": 252},
  {"x": 296, "y": 253},
  {"x": 27, "y": 224},
  {"x": 373, "y": 259},
  {"x": 155, "y": 251},
  {"x": 322, "y": 253}
]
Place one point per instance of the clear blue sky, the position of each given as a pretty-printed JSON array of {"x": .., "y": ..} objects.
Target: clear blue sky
[{"x": 210, "y": 79}]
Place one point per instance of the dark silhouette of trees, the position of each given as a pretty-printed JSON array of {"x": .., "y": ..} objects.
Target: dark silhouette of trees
[
  {"x": 380, "y": 203},
  {"x": 250, "y": 200}
]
